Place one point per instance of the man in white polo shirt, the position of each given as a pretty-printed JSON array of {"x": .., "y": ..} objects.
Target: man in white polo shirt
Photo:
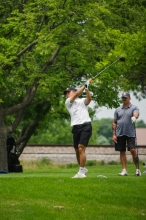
[
  {"x": 80, "y": 122},
  {"x": 123, "y": 128}
]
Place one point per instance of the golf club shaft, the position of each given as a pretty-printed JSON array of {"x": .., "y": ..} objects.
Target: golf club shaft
[
  {"x": 106, "y": 68},
  {"x": 137, "y": 159}
]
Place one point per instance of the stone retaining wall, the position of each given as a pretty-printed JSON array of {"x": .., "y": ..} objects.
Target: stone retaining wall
[{"x": 65, "y": 154}]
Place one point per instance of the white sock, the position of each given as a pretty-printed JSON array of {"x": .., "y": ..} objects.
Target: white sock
[{"x": 81, "y": 170}]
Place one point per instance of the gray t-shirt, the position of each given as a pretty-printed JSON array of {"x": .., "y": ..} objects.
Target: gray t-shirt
[{"x": 123, "y": 117}]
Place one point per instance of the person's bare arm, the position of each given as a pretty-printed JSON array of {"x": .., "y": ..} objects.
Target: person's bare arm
[
  {"x": 88, "y": 97},
  {"x": 79, "y": 92},
  {"x": 114, "y": 125},
  {"x": 76, "y": 94}
]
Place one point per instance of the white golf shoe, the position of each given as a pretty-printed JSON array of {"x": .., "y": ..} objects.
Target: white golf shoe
[
  {"x": 86, "y": 171},
  {"x": 138, "y": 173},
  {"x": 79, "y": 175},
  {"x": 123, "y": 173}
]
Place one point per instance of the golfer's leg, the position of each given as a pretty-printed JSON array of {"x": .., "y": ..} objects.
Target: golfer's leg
[
  {"x": 77, "y": 156},
  {"x": 123, "y": 159},
  {"x": 76, "y": 139},
  {"x": 82, "y": 155},
  {"x": 135, "y": 158}
]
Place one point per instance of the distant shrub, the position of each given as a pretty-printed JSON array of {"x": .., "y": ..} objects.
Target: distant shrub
[
  {"x": 72, "y": 165},
  {"x": 113, "y": 162},
  {"x": 45, "y": 161},
  {"x": 102, "y": 162},
  {"x": 91, "y": 163}
]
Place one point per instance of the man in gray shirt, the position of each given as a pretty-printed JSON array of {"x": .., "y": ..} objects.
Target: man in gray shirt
[{"x": 123, "y": 128}]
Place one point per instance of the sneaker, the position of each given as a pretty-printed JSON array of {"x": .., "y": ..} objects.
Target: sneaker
[
  {"x": 79, "y": 175},
  {"x": 86, "y": 171},
  {"x": 138, "y": 173},
  {"x": 123, "y": 173}
]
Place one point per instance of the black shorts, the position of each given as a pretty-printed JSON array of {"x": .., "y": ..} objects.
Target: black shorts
[
  {"x": 123, "y": 141},
  {"x": 81, "y": 134}
]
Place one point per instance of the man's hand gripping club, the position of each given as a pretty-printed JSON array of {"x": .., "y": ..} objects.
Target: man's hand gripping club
[{"x": 87, "y": 83}]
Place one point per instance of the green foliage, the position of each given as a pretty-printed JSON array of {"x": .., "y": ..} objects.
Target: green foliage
[
  {"x": 92, "y": 35},
  {"x": 56, "y": 132},
  {"x": 49, "y": 45},
  {"x": 105, "y": 131},
  {"x": 140, "y": 124},
  {"x": 102, "y": 140},
  {"x": 59, "y": 132},
  {"x": 91, "y": 163},
  {"x": 93, "y": 139}
]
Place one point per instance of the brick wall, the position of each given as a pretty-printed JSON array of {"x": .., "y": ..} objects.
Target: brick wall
[{"x": 64, "y": 154}]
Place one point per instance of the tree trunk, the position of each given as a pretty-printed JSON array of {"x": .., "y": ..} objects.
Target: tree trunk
[
  {"x": 3, "y": 147},
  {"x": 25, "y": 135}
]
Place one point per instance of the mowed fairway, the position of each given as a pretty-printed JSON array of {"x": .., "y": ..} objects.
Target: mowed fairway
[{"x": 51, "y": 194}]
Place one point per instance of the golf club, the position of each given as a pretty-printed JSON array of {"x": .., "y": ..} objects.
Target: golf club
[
  {"x": 119, "y": 59},
  {"x": 136, "y": 159},
  {"x": 144, "y": 165}
]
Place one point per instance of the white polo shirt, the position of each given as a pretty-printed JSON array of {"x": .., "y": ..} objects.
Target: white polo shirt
[{"x": 78, "y": 111}]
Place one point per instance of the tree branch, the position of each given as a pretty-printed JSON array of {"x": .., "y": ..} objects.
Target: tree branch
[
  {"x": 26, "y": 48},
  {"x": 32, "y": 43},
  {"x": 41, "y": 24},
  {"x": 28, "y": 130},
  {"x": 57, "y": 25},
  {"x": 50, "y": 61},
  {"x": 25, "y": 135},
  {"x": 30, "y": 93},
  {"x": 11, "y": 128}
]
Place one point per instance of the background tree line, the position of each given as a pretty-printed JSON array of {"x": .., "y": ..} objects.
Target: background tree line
[
  {"x": 59, "y": 132},
  {"x": 48, "y": 45}
]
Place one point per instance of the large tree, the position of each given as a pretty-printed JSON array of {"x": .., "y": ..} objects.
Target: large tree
[
  {"x": 43, "y": 47},
  {"x": 132, "y": 25},
  {"x": 46, "y": 46}
]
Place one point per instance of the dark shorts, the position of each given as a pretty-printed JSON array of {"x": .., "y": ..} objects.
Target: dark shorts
[
  {"x": 81, "y": 134},
  {"x": 125, "y": 141}
]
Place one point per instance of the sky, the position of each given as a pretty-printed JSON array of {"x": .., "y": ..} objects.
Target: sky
[{"x": 109, "y": 113}]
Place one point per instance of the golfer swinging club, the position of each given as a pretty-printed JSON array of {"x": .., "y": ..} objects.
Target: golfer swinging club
[{"x": 80, "y": 122}]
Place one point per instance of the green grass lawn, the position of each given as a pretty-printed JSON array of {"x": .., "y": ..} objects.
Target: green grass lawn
[{"x": 51, "y": 194}]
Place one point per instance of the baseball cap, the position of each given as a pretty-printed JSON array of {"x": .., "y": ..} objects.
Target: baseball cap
[
  {"x": 69, "y": 89},
  {"x": 126, "y": 95}
]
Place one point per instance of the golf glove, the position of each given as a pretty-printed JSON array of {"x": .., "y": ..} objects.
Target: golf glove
[
  {"x": 86, "y": 84},
  {"x": 133, "y": 119}
]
